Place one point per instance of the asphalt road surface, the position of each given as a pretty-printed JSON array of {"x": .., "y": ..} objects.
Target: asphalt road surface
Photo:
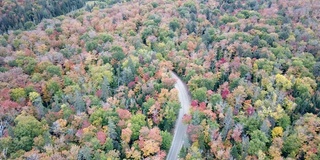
[{"x": 180, "y": 132}]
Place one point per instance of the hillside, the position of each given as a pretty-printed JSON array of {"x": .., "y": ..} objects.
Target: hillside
[{"x": 95, "y": 83}]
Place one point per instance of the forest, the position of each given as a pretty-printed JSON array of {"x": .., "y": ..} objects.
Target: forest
[{"x": 91, "y": 81}]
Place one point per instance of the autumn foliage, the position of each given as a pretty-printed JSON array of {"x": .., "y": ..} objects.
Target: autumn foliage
[{"x": 95, "y": 83}]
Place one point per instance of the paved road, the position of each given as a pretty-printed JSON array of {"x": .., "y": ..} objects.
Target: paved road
[{"x": 180, "y": 133}]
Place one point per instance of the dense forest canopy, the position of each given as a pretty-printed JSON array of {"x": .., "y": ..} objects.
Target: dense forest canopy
[
  {"x": 25, "y": 14},
  {"x": 82, "y": 80}
]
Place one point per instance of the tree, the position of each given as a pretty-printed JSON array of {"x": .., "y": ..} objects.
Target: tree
[
  {"x": 29, "y": 25},
  {"x": 228, "y": 19},
  {"x": 117, "y": 53},
  {"x": 236, "y": 133},
  {"x": 124, "y": 114},
  {"x": 99, "y": 72},
  {"x": 127, "y": 75},
  {"x": 85, "y": 153},
  {"x": 112, "y": 129},
  {"x": 126, "y": 135},
  {"x": 53, "y": 70},
  {"x": 252, "y": 123},
  {"x": 79, "y": 103},
  {"x": 183, "y": 152},
  {"x": 277, "y": 132},
  {"x": 174, "y": 25},
  {"x": 146, "y": 105},
  {"x": 99, "y": 117},
  {"x": 316, "y": 69},
  {"x": 303, "y": 89},
  {"x": 105, "y": 37},
  {"x": 166, "y": 140},
  {"x": 191, "y": 27},
  {"x": 275, "y": 148},
  {"x": 92, "y": 45},
  {"x": 284, "y": 34},
  {"x": 137, "y": 122},
  {"x": 18, "y": 94},
  {"x": 305, "y": 132},
  {"x": 284, "y": 121},
  {"x": 282, "y": 82},
  {"x": 109, "y": 144},
  {"x": 209, "y": 36},
  {"x": 149, "y": 141},
  {"x": 215, "y": 99},
  {"x": 227, "y": 123},
  {"x": 3, "y": 126},
  {"x": 52, "y": 87},
  {"x": 258, "y": 142},
  {"x": 26, "y": 129},
  {"x": 105, "y": 88},
  {"x": 170, "y": 113},
  {"x": 200, "y": 94},
  {"x": 28, "y": 64},
  {"x": 36, "y": 100},
  {"x": 265, "y": 126},
  {"x": 291, "y": 146},
  {"x": 255, "y": 41}
]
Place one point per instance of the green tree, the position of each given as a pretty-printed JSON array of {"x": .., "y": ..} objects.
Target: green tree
[
  {"x": 53, "y": 87},
  {"x": 303, "y": 90},
  {"x": 29, "y": 89},
  {"x": 105, "y": 37},
  {"x": 99, "y": 117},
  {"x": 53, "y": 70},
  {"x": 17, "y": 94},
  {"x": 79, "y": 103},
  {"x": 191, "y": 27},
  {"x": 316, "y": 69},
  {"x": 92, "y": 45},
  {"x": 200, "y": 94},
  {"x": 28, "y": 64},
  {"x": 258, "y": 142},
  {"x": 146, "y": 105},
  {"x": 26, "y": 129},
  {"x": 252, "y": 123},
  {"x": 209, "y": 36},
  {"x": 228, "y": 19},
  {"x": 166, "y": 140},
  {"x": 291, "y": 146},
  {"x": 137, "y": 122},
  {"x": 284, "y": 121},
  {"x": 171, "y": 110},
  {"x": 117, "y": 53},
  {"x": 183, "y": 152},
  {"x": 174, "y": 25},
  {"x": 255, "y": 41},
  {"x": 112, "y": 129},
  {"x": 29, "y": 25},
  {"x": 99, "y": 72},
  {"x": 145, "y": 33},
  {"x": 105, "y": 88},
  {"x": 108, "y": 145},
  {"x": 215, "y": 99}
]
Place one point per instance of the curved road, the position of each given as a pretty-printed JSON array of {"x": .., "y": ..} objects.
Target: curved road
[{"x": 180, "y": 132}]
